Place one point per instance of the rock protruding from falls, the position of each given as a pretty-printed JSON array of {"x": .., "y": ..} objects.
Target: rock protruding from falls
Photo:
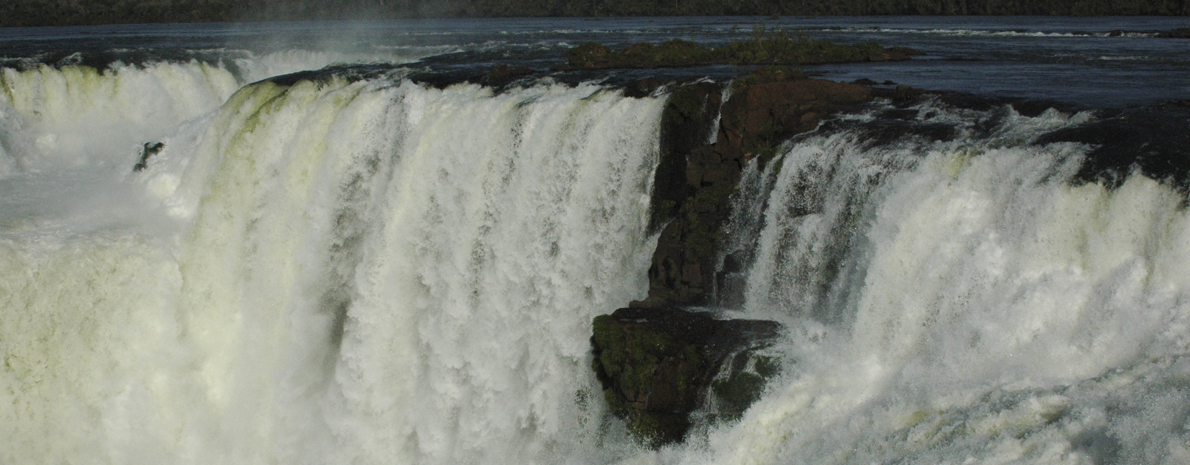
[
  {"x": 150, "y": 149},
  {"x": 657, "y": 365},
  {"x": 764, "y": 110}
]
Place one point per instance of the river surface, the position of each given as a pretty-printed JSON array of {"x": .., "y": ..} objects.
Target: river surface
[{"x": 1076, "y": 60}]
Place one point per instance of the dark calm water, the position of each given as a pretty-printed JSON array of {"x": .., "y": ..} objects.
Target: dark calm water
[{"x": 1072, "y": 60}]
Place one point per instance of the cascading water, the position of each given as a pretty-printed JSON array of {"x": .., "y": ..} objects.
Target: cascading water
[
  {"x": 79, "y": 113},
  {"x": 964, "y": 302},
  {"x": 373, "y": 271},
  {"x": 340, "y": 272}
]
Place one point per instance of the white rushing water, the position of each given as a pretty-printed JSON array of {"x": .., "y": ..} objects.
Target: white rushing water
[
  {"x": 367, "y": 272},
  {"x": 81, "y": 116},
  {"x": 377, "y": 272},
  {"x": 962, "y": 302}
]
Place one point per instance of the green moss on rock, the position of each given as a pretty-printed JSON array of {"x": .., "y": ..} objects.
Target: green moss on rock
[{"x": 656, "y": 364}]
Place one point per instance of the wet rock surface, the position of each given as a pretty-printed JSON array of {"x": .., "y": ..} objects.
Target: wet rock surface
[
  {"x": 657, "y": 364},
  {"x": 1180, "y": 33},
  {"x": 767, "y": 109},
  {"x": 1151, "y": 140},
  {"x": 150, "y": 149}
]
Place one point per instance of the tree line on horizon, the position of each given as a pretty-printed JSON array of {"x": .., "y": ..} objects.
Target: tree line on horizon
[{"x": 16, "y": 13}]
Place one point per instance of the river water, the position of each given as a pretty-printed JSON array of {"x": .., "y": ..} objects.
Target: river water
[{"x": 354, "y": 266}]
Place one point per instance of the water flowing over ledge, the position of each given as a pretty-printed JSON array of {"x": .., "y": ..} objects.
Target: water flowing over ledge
[
  {"x": 376, "y": 271},
  {"x": 364, "y": 271}
]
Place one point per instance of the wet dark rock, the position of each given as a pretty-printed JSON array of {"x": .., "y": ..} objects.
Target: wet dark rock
[
  {"x": 767, "y": 74},
  {"x": 733, "y": 263},
  {"x": 899, "y": 95},
  {"x": 502, "y": 74},
  {"x": 741, "y": 382},
  {"x": 1180, "y": 33},
  {"x": 642, "y": 88},
  {"x": 589, "y": 55},
  {"x": 1151, "y": 140},
  {"x": 765, "y": 114},
  {"x": 731, "y": 279},
  {"x": 687, "y": 122},
  {"x": 656, "y": 365},
  {"x": 901, "y": 114},
  {"x": 764, "y": 110},
  {"x": 150, "y": 149},
  {"x": 886, "y": 131}
]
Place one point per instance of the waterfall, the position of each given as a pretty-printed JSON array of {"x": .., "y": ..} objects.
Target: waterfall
[
  {"x": 338, "y": 272},
  {"x": 376, "y": 271},
  {"x": 964, "y": 301}
]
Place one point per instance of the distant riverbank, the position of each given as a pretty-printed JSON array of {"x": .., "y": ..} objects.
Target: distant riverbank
[{"x": 18, "y": 13}]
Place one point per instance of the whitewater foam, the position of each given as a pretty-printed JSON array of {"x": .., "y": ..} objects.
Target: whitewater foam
[
  {"x": 80, "y": 116},
  {"x": 367, "y": 271},
  {"x": 965, "y": 302}
]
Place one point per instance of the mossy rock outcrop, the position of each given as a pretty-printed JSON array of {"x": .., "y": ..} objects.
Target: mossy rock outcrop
[{"x": 656, "y": 366}]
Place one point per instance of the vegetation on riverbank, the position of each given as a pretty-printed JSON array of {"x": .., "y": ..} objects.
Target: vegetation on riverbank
[{"x": 80, "y": 12}]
